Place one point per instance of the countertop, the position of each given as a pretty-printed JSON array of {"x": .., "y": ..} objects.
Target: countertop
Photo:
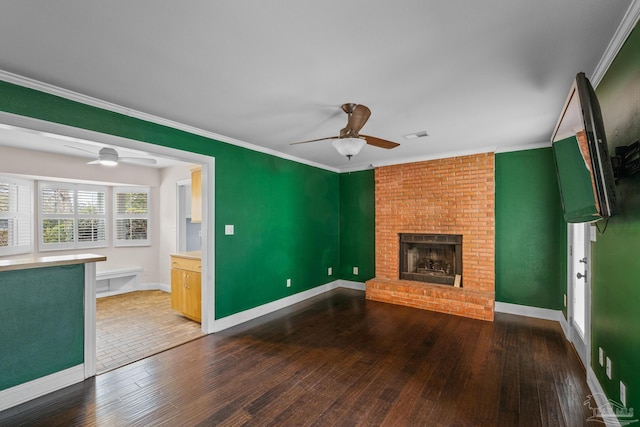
[
  {"x": 48, "y": 261},
  {"x": 188, "y": 255}
]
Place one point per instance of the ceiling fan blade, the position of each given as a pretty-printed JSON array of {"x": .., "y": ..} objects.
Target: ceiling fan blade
[
  {"x": 381, "y": 143},
  {"x": 140, "y": 160},
  {"x": 314, "y": 140},
  {"x": 81, "y": 149},
  {"x": 358, "y": 118}
]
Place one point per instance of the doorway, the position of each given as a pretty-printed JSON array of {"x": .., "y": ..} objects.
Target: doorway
[
  {"x": 579, "y": 289},
  {"x": 43, "y": 128}
]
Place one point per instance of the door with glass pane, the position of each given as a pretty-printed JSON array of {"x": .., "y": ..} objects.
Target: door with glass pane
[{"x": 579, "y": 289}]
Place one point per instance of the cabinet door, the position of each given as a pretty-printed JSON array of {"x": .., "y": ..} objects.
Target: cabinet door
[
  {"x": 193, "y": 302},
  {"x": 196, "y": 195},
  {"x": 178, "y": 290}
]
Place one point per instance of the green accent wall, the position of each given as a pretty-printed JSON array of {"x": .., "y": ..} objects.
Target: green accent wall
[
  {"x": 615, "y": 269},
  {"x": 357, "y": 225},
  {"x": 286, "y": 214},
  {"x": 531, "y": 235},
  {"x": 41, "y": 322}
]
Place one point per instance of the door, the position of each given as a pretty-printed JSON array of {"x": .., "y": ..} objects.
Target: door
[{"x": 580, "y": 289}]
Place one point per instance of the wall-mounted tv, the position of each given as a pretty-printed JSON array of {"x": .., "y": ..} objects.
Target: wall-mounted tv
[{"x": 583, "y": 165}]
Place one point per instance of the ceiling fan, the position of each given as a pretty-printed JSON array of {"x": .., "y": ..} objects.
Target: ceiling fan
[
  {"x": 109, "y": 157},
  {"x": 350, "y": 142}
]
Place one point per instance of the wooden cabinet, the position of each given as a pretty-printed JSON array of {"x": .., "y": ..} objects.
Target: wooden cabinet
[
  {"x": 196, "y": 194},
  {"x": 186, "y": 286}
]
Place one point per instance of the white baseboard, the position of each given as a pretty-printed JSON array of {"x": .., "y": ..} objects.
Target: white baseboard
[
  {"x": 39, "y": 387},
  {"x": 253, "y": 313},
  {"x": 153, "y": 287},
  {"x": 358, "y": 286},
  {"x": 604, "y": 405},
  {"x": 528, "y": 311},
  {"x": 138, "y": 287}
]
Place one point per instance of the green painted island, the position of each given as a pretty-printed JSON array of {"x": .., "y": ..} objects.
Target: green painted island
[{"x": 45, "y": 305}]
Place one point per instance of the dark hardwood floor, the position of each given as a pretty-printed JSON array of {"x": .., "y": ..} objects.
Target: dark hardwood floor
[{"x": 339, "y": 360}]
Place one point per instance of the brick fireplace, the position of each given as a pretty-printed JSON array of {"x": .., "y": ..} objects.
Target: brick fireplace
[{"x": 453, "y": 196}]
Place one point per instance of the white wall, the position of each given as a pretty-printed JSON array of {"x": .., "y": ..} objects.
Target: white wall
[{"x": 168, "y": 217}]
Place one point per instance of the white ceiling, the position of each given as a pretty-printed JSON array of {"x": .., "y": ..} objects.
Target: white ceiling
[{"x": 476, "y": 75}]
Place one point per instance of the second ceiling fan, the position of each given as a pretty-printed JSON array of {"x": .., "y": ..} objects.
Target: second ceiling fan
[{"x": 349, "y": 141}]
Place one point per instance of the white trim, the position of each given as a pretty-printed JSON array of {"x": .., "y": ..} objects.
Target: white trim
[
  {"x": 358, "y": 286},
  {"x": 528, "y": 311},
  {"x": 98, "y": 103},
  {"x": 89, "y": 319},
  {"x": 207, "y": 230},
  {"x": 599, "y": 395},
  {"x": 208, "y": 189},
  {"x": 627, "y": 25},
  {"x": 253, "y": 313},
  {"x": 39, "y": 387},
  {"x": 416, "y": 159},
  {"x": 153, "y": 287},
  {"x": 523, "y": 147}
]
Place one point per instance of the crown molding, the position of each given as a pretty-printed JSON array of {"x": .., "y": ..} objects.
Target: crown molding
[
  {"x": 115, "y": 108},
  {"x": 627, "y": 25}
]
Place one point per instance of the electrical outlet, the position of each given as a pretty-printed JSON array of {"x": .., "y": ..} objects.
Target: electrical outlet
[
  {"x": 288, "y": 283},
  {"x": 623, "y": 394},
  {"x": 608, "y": 368},
  {"x": 330, "y": 271},
  {"x": 601, "y": 356},
  {"x": 355, "y": 271},
  {"x": 565, "y": 300}
]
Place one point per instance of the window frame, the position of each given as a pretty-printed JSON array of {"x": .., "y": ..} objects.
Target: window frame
[
  {"x": 19, "y": 214},
  {"x": 119, "y": 216},
  {"x": 76, "y": 217}
]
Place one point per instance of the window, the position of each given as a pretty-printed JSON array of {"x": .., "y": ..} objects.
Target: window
[
  {"x": 72, "y": 216},
  {"x": 15, "y": 216},
  {"x": 131, "y": 216}
]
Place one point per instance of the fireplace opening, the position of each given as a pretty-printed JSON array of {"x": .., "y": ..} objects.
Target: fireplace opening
[{"x": 431, "y": 258}]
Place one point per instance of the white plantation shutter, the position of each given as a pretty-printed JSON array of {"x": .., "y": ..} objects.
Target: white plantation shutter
[
  {"x": 131, "y": 216},
  {"x": 15, "y": 216},
  {"x": 72, "y": 216},
  {"x": 92, "y": 217}
]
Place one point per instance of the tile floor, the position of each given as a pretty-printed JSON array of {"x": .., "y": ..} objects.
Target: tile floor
[{"x": 136, "y": 325}]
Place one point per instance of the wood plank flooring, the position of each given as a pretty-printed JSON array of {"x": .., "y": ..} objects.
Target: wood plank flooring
[
  {"x": 135, "y": 325},
  {"x": 339, "y": 360}
]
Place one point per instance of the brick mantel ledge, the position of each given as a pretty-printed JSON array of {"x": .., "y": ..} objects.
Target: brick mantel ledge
[{"x": 441, "y": 298}]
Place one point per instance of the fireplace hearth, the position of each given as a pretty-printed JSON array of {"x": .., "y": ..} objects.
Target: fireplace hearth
[{"x": 431, "y": 258}]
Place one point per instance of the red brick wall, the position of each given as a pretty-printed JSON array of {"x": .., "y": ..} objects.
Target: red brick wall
[{"x": 447, "y": 196}]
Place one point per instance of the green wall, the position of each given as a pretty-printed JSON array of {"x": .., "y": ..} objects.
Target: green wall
[
  {"x": 357, "y": 225},
  {"x": 286, "y": 214},
  {"x": 41, "y": 322},
  {"x": 615, "y": 310},
  {"x": 531, "y": 235}
]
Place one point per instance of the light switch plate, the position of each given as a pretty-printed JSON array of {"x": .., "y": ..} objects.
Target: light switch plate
[
  {"x": 329, "y": 271},
  {"x": 355, "y": 270},
  {"x": 608, "y": 368},
  {"x": 601, "y": 356},
  {"x": 623, "y": 394},
  {"x": 229, "y": 230}
]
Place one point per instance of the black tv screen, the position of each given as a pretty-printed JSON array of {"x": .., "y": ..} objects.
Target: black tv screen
[{"x": 583, "y": 165}]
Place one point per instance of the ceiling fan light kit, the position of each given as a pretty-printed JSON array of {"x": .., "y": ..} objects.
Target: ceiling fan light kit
[
  {"x": 350, "y": 142},
  {"x": 348, "y": 146},
  {"x": 107, "y": 157}
]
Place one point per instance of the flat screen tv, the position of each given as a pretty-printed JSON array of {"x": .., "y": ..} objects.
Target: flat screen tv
[{"x": 583, "y": 165}]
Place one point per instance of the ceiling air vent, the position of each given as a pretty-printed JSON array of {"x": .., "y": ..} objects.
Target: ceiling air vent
[{"x": 416, "y": 135}]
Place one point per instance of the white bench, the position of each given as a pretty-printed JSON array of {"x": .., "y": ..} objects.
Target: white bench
[{"x": 117, "y": 281}]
